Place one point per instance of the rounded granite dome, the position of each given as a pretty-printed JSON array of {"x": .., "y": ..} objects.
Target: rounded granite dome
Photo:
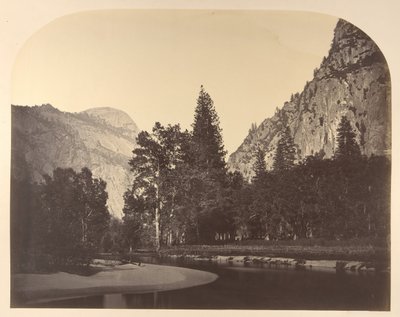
[{"x": 114, "y": 117}]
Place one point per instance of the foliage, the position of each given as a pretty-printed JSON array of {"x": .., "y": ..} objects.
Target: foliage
[
  {"x": 63, "y": 221},
  {"x": 207, "y": 139},
  {"x": 182, "y": 193},
  {"x": 182, "y": 177},
  {"x": 340, "y": 198},
  {"x": 76, "y": 214},
  {"x": 26, "y": 225},
  {"x": 325, "y": 198},
  {"x": 179, "y": 178},
  {"x": 113, "y": 239},
  {"x": 157, "y": 164},
  {"x": 347, "y": 144},
  {"x": 285, "y": 152},
  {"x": 259, "y": 167}
]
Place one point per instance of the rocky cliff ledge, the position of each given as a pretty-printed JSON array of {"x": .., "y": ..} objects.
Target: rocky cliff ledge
[{"x": 353, "y": 80}]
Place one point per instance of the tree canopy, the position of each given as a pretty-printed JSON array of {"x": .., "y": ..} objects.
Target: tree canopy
[
  {"x": 178, "y": 179},
  {"x": 68, "y": 217},
  {"x": 155, "y": 164},
  {"x": 183, "y": 193},
  {"x": 285, "y": 152},
  {"x": 347, "y": 146},
  {"x": 259, "y": 166},
  {"x": 207, "y": 138}
]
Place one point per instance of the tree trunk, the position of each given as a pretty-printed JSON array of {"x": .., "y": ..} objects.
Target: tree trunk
[
  {"x": 169, "y": 241},
  {"x": 83, "y": 228},
  {"x": 157, "y": 211},
  {"x": 197, "y": 231},
  {"x": 157, "y": 225},
  {"x": 368, "y": 218}
]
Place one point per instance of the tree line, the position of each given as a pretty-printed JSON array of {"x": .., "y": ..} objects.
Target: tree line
[
  {"x": 178, "y": 195},
  {"x": 58, "y": 223},
  {"x": 182, "y": 193}
]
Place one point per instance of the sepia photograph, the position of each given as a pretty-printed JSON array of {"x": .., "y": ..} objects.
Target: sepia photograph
[{"x": 200, "y": 159}]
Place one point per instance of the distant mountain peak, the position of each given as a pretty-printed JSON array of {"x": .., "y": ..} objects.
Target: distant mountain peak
[
  {"x": 114, "y": 117},
  {"x": 102, "y": 139},
  {"x": 47, "y": 106},
  {"x": 352, "y": 81}
]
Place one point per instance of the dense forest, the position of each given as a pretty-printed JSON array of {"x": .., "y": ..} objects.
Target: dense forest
[
  {"x": 182, "y": 193},
  {"x": 59, "y": 222}
]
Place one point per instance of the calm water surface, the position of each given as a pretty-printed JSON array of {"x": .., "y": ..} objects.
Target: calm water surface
[{"x": 256, "y": 287}]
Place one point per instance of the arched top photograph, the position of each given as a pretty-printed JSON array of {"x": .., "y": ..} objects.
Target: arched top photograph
[{"x": 201, "y": 159}]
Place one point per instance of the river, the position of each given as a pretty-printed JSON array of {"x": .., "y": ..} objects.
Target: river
[{"x": 251, "y": 286}]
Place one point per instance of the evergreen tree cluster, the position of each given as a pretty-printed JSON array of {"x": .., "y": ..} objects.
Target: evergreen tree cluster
[
  {"x": 285, "y": 152},
  {"x": 206, "y": 135},
  {"x": 182, "y": 193},
  {"x": 58, "y": 223},
  {"x": 340, "y": 198},
  {"x": 347, "y": 144},
  {"x": 330, "y": 198},
  {"x": 178, "y": 195},
  {"x": 259, "y": 166}
]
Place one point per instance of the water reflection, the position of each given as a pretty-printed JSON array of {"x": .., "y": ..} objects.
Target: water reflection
[
  {"x": 257, "y": 287},
  {"x": 114, "y": 301}
]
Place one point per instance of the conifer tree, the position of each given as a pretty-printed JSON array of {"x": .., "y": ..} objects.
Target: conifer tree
[
  {"x": 208, "y": 174},
  {"x": 285, "y": 152},
  {"x": 259, "y": 166},
  {"x": 207, "y": 137},
  {"x": 347, "y": 144}
]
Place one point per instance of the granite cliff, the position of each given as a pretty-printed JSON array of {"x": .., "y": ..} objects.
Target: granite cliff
[
  {"x": 353, "y": 80},
  {"x": 101, "y": 139}
]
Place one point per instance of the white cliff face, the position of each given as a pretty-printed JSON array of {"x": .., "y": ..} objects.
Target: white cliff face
[
  {"x": 101, "y": 139},
  {"x": 353, "y": 80}
]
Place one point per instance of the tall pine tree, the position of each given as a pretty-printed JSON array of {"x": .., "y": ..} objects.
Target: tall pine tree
[
  {"x": 347, "y": 144},
  {"x": 207, "y": 139},
  {"x": 259, "y": 166},
  {"x": 285, "y": 152},
  {"x": 207, "y": 174}
]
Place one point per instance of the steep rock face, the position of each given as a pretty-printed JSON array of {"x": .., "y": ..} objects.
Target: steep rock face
[
  {"x": 44, "y": 138},
  {"x": 353, "y": 81}
]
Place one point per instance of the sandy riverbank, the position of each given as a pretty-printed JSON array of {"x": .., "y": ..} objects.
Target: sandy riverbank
[{"x": 128, "y": 278}]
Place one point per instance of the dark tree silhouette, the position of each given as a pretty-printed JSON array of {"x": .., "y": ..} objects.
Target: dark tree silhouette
[
  {"x": 346, "y": 138},
  {"x": 207, "y": 138},
  {"x": 155, "y": 163},
  {"x": 76, "y": 215},
  {"x": 259, "y": 166},
  {"x": 58, "y": 223},
  {"x": 285, "y": 152}
]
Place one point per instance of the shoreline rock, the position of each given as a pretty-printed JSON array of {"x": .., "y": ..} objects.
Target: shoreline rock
[{"x": 332, "y": 265}]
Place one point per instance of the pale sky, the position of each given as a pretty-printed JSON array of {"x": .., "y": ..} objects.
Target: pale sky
[{"x": 151, "y": 64}]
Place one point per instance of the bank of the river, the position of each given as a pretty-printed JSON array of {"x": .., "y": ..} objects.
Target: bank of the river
[
  {"x": 336, "y": 250},
  {"x": 338, "y": 255},
  {"x": 127, "y": 278},
  {"x": 277, "y": 262}
]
